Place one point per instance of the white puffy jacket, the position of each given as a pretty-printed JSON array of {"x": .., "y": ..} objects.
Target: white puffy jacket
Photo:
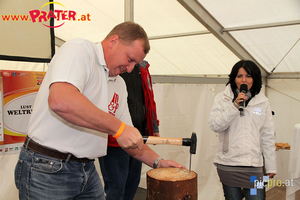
[{"x": 244, "y": 140}]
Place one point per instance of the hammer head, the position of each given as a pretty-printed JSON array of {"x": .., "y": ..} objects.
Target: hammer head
[{"x": 193, "y": 143}]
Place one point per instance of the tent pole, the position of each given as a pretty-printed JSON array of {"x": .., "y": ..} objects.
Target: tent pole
[{"x": 128, "y": 10}]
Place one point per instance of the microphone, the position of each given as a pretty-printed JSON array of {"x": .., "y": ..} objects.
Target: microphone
[{"x": 244, "y": 89}]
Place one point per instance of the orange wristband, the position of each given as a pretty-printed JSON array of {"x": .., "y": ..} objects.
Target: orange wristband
[{"x": 120, "y": 131}]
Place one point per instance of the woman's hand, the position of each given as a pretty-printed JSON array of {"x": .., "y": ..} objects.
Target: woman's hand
[
  {"x": 271, "y": 175},
  {"x": 241, "y": 97}
]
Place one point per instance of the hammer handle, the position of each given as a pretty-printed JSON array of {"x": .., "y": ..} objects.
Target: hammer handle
[{"x": 162, "y": 140}]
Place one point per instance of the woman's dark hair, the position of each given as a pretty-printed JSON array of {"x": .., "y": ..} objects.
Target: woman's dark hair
[{"x": 252, "y": 69}]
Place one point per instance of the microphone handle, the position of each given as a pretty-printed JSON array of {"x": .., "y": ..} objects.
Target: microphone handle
[{"x": 242, "y": 105}]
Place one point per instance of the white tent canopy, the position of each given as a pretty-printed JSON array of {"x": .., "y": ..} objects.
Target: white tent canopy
[
  {"x": 204, "y": 37},
  {"x": 192, "y": 41}
]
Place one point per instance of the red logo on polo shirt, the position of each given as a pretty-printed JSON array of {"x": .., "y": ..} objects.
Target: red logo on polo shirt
[{"x": 114, "y": 104}]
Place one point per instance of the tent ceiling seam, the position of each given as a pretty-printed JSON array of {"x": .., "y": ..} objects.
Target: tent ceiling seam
[
  {"x": 282, "y": 93},
  {"x": 260, "y": 26},
  {"x": 179, "y": 35},
  {"x": 171, "y": 79},
  {"x": 284, "y": 56},
  {"x": 286, "y": 75}
]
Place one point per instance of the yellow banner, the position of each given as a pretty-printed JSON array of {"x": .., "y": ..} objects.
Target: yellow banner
[{"x": 19, "y": 92}]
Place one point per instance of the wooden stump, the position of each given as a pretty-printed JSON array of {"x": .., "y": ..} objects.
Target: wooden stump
[{"x": 171, "y": 183}]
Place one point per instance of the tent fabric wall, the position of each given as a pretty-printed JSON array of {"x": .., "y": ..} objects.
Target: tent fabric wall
[
  {"x": 183, "y": 109},
  {"x": 8, "y": 189},
  {"x": 284, "y": 98},
  {"x": 23, "y": 66}
]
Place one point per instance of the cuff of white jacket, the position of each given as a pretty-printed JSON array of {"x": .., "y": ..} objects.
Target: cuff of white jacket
[{"x": 271, "y": 171}]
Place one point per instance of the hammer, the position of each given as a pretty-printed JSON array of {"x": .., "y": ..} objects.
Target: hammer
[{"x": 191, "y": 142}]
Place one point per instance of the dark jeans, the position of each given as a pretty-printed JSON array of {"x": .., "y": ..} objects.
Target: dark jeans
[
  {"x": 121, "y": 174},
  {"x": 235, "y": 193},
  {"x": 42, "y": 177}
]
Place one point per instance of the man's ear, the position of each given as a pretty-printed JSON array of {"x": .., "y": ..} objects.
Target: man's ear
[{"x": 113, "y": 41}]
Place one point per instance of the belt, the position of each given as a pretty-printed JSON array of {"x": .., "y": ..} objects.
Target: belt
[{"x": 51, "y": 152}]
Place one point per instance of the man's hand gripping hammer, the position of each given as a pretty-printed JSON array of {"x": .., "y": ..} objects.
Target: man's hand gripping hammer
[{"x": 191, "y": 142}]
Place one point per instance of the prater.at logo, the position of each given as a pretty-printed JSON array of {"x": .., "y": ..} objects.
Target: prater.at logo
[{"x": 57, "y": 14}]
